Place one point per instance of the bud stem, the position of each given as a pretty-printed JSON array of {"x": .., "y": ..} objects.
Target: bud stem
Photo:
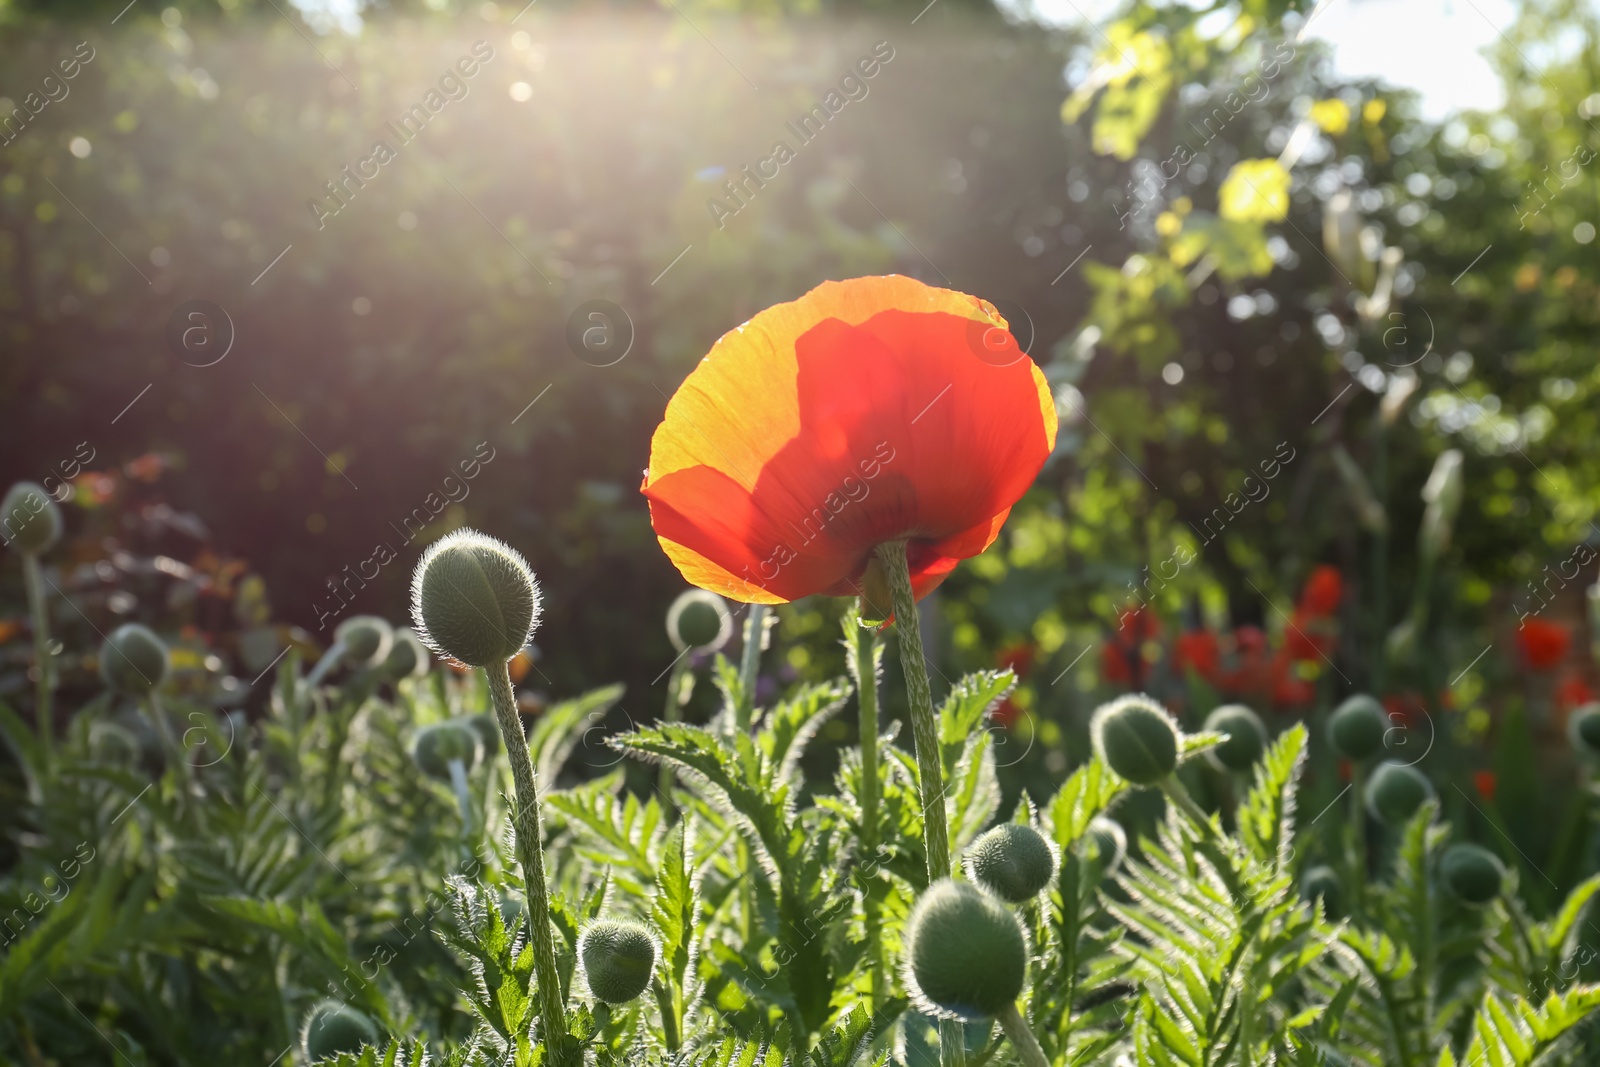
[
  {"x": 330, "y": 659},
  {"x": 530, "y": 853},
  {"x": 458, "y": 785},
  {"x": 924, "y": 726},
  {"x": 1022, "y": 1039},
  {"x": 674, "y": 713},
  {"x": 864, "y": 647},
  {"x": 34, "y": 581},
  {"x": 1180, "y": 798}
]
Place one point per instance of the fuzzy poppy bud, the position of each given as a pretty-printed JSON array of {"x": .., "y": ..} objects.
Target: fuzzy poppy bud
[
  {"x": 30, "y": 519},
  {"x": 965, "y": 952},
  {"x": 1357, "y": 727},
  {"x": 332, "y": 1028},
  {"x": 1583, "y": 729},
  {"x": 617, "y": 959},
  {"x": 1247, "y": 737},
  {"x": 474, "y": 600},
  {"x": 1395, "y": 792},
  {"x": 133, "y": 660},
  {"x": 1473, "y": 874},
  {"x": 436, "y": 746},
  {"x": 1136, "y": 738},
  {"x": 488, "y": 732},
  {"x": 1103, "y": 847},
  {"x": 1013, "y": 861},
  {"x": 365, "y": 639},
  {"x": 407, "y": 658},
  {"x": 699, "y": 619},
  {"x": 1322, "y": 883}
]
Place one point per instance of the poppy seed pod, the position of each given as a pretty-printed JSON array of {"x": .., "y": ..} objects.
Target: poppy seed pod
[
  {"x": 1583, "y": 728},
  {"x": 699, "y": 619},
  {"x": 365, "y": 638},
  {"x": 1103, "y": 847},
  {"x": 437, "y": 745},
  {"x": 488, "y": 732},
  {"x": 474, "y": 600},
  {"x": 1247, "y": 737},
  {"x": 407, "y": 658},
  {"x": 133, "y": 660},
  {"x": 332, "y": 1028},
  {"x": 1322, "y": 883},
  {"x": 965, "y": 953},
  {"x": 1013, "y": 861},
  {"x": 1474, "y": 875},
  {"x": 1356, "y": 728},
  {"x": 1395, "y": 792},
  {"x": 1136, "y": 738},
  {"x": 617, "y": 959},
  {"x": 30, "y": 519}
]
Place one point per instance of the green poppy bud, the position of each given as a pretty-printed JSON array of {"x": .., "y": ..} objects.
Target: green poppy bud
[
  {"x": 474, "y": 600},
  {"x": 407, "y": 658},
  {"x": 1013, "y": 861},
  {"x": 133, "y": 660},
  {"x": 1136, "y": 738},
  {"x": 488, "y": 731},
  {"x": 435, "y": 746},
  {"x": 1357, "y": 728},
  {"x": 332, "y": 1028},
  {"x": 965, "y": 953},
  {"x": 1247, "y": 737},
  {"x": 699, "y": 619},
  {"x": 1322, "y": 883},
  {"x": 1583, "y": 728},
  {"x": 30, "y": 519},
  {"x": 1104, "y": 845},
  {"x": 365, "y": 638},
  {"x": 114, "y": 745},
  {"x": 1475, "y": 875},
  {"x": 1395, "y": 792},
  {"x": 617, "y": 959}
]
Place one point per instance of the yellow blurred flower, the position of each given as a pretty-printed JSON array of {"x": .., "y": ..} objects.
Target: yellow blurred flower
[{"x": 1332, "y": 115}]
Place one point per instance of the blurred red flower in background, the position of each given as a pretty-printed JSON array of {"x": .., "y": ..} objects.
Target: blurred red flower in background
[
  {"x": 1006, "y": 713},
  {"x": 1308, "y": 637},
  {"x": 1017, "y": 658},
  {"x": 1542, "y": 644},
  {"x": 1323, "y": 591},
  {"x": 1573, "y": 692},
  {"x": 1289, "y": 689},
  {"x": 1122, "y": 653},
  {"x": 1484, "y": 782},
  {"x": 1201, "y": 652}
]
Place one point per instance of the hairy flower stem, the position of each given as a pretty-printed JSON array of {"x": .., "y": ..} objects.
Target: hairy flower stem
[
  {"x": 1022, "y": 1039},
  {"x": 1358, "y": 824},
  {"x": 924, "y": 726},
  {"x": 530, "y": 853},
  {"x": 1180, "y": 798},
  {"x": 864, "y": 646},
  {"x": 755, "y": 635},
  {"x": 673, "y": 713},
  {"x": 34, "y": 581},
  {"x": 175, "y": 752}
]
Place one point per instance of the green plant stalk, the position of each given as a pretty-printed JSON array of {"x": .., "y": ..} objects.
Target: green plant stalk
[
  {"x": 1380, "y": 556},
  {"x": 1358, "y": 826},
  {"x": 865, "y": 644},
  {"x": 458, "y": 785},
  {"x": 673, "y": 713},
  {"x": 158, "y": 719},
  {"x": 671, "y": 1005},
  {"x": 924, "y": 725},
  {"x": 755, "y": 632},
  {"x": 330, "y": 659},
  {"x": 530, "y": 853},
  {"x": 34, "y": 580},
  {"x": 1174, "y": 791},
  {"x": 1022, "y": 1039}
]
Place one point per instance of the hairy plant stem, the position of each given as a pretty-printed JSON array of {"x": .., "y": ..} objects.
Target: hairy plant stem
[
  {"x": 1358, "y": 825},
  {"x": 458, "y": 786},
  {"x": 673, "y": 713},
  {"x": 1022, "y": 1039},
  {"x": 330, "y": 659},
  {"x": 755, "y": 634},
  {"x": 924, "y": 726},
  {"x": 671, "y": 1005},
  {"x": 1180, "y": 798},
  {"x": 34, "y": 580},
  {"x": 175, "y": 754},
  {"x": 864, "y": 645},
  {"x": 530, "y": 853}
]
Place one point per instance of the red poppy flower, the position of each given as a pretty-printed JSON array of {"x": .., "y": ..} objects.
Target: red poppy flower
[
  {"x": 1308, "y": 637},
  {"x": 1137, "y": 625},
  {"x": 1484, "y": 782},
  {"x": 1542, "y": 644},
  {"x": 867, "y": 411},
  {"x": 1323, "y": 591},
  {"x": 1006, "y": 713},
  {"x": 1406, "y": 710},
  {"x": 1246, "y": 669},
  {"x": 1573, "y": 692},
  {"x": 1199, "y": 651},
  {"x": 1116, "y": 662},
  {"x": 1289, "y": 690}
]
